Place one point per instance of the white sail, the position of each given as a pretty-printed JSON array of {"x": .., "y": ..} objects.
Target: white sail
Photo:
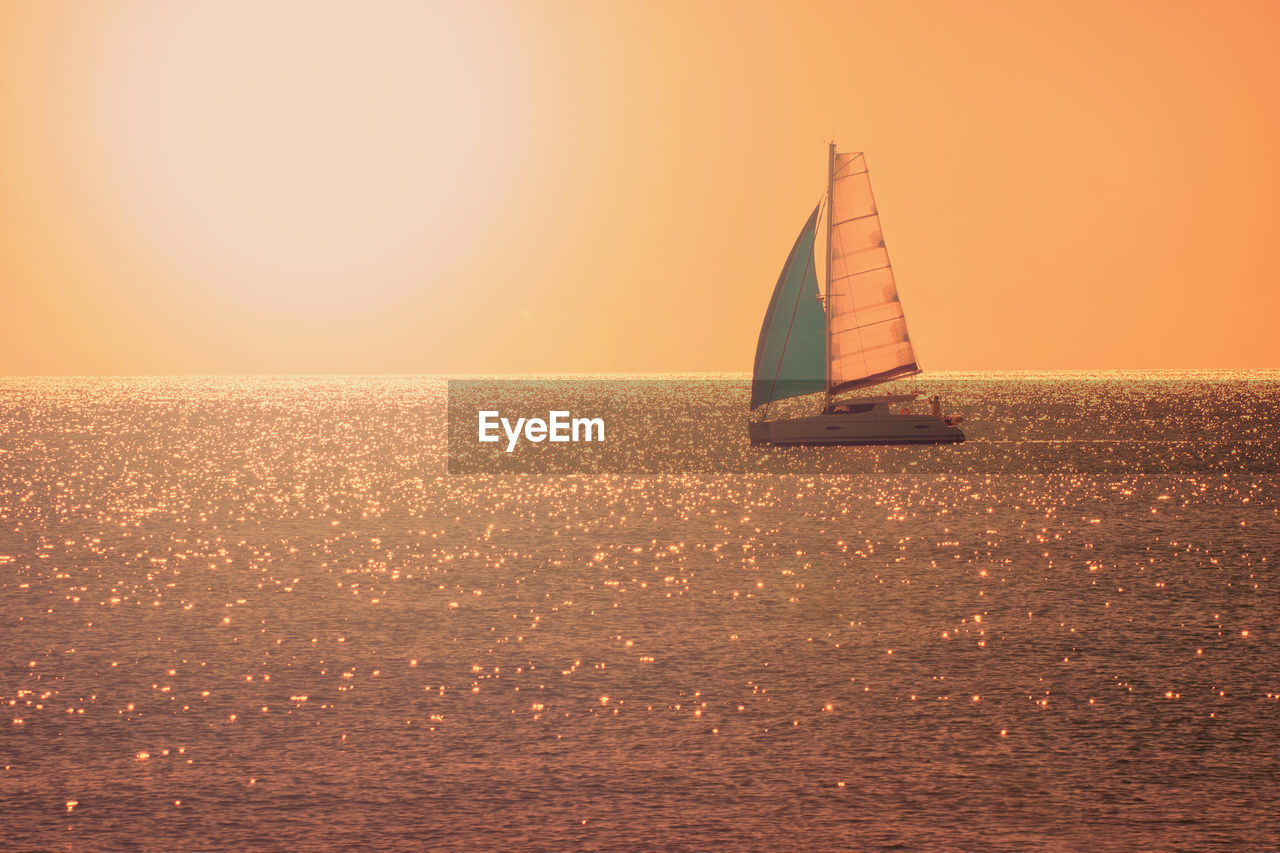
[{"x": 868, "y": 334}]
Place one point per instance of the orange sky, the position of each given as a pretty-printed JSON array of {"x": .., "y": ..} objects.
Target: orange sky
[{"x": 252, "y": 187}]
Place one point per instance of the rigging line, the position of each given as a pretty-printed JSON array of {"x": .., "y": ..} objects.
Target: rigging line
[{"x": 841, "y": 177}]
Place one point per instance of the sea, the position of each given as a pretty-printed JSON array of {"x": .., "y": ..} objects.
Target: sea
[{"x": 260, "y": 613}]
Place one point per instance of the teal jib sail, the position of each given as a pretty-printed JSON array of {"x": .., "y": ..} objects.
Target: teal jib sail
[{"x": 791, "y": 357}]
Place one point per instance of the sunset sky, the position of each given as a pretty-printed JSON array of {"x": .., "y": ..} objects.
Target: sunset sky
[{"x": 343, "y": 187}]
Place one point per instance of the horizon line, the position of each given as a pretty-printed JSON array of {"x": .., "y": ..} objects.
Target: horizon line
[{"x": 609, "y": 373}]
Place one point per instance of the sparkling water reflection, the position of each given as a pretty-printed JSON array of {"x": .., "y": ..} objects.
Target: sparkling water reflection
[{"x": 257, "y": 613}]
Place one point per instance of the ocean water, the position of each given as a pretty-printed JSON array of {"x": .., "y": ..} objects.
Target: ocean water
[{"x": 258, "y": 613}]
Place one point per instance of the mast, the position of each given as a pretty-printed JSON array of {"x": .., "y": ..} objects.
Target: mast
[{"x": 826, "y": 292}]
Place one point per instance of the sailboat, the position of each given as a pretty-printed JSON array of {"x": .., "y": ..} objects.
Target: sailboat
[{"x": 850, "y": 338}]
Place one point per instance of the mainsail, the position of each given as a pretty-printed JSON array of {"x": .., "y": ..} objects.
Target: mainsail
[
  {"x": 869, "y": 342},
  {"x": 791, "y": 354}
]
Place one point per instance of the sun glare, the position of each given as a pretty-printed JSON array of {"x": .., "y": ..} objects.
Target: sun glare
[{"x": 309, "y": 157}]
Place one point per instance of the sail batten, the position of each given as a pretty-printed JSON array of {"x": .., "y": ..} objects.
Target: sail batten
[
  {"x": 876, "y": 379},
  {"x": 859, "y": 272},
  {"x": 867, "y": 330},
  {"x": 855, "y": 218}
]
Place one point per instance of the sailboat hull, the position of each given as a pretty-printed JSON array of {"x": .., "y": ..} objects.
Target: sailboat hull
[{"x": 870, "y": 428}]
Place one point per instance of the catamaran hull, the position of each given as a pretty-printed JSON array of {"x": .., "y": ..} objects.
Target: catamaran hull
[{"x": 854, "y": 429}]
